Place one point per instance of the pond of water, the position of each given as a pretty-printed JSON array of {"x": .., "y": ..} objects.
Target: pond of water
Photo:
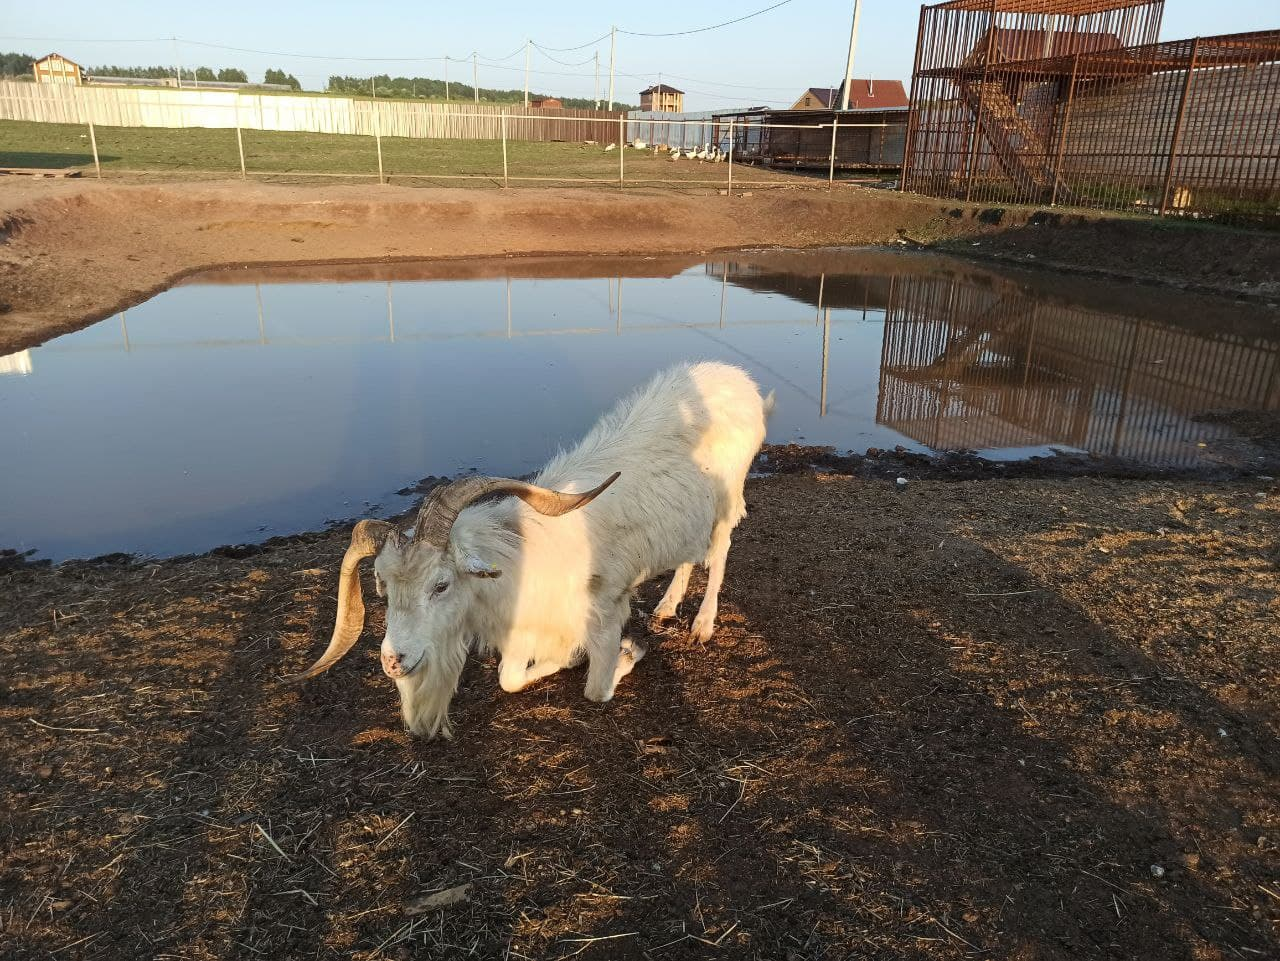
[{"x": 240, "y": 404}]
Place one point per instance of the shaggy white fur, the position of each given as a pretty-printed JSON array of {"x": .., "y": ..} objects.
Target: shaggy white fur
[{"x": 543, "y": 592}]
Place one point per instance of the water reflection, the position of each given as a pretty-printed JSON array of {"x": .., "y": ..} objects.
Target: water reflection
[
  {"x": 19, "y": 363},
  {"x": 250, "y": 403}
]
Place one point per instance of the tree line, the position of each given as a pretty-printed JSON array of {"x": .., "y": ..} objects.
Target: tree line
[
  {"x": 429, "y": 88},
  {"x": 395, "y": 88},
  {"x": 21, "y": 65}
]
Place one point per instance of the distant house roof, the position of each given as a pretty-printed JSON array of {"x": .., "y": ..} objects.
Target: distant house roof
[
  {"x": 1014, "y": 44},
  {"x": 51, "y": 56},
  {"x": 660, "y": 88},
  {"x": 546, "y": 102},
  {"x": 864, "y": 94}
]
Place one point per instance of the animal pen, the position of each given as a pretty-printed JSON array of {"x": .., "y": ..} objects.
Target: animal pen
[
  {"x": 845, "y": 140},
  {"x": 1076, "y": 102}
]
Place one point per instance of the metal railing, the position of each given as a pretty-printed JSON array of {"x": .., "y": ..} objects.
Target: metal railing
[{"x": 715, "y": 163}]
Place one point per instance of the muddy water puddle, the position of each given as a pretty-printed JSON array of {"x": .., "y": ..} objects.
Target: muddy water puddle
[{"x": 245, "y": 404}]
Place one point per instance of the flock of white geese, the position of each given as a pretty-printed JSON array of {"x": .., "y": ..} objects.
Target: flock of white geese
[{"x": 707, "y": 153}]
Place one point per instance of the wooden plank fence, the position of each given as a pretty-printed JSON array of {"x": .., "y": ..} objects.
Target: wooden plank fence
[{"x": 190, "y": 107}]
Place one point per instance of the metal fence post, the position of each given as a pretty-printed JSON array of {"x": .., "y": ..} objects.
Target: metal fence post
[
  {"x": 377, "y": 137},
  {"x": 729, "y": 192},
  {"x": 240, "y": 144},
  {"x": 504, "y": 149},
  {"x": 622, "y": 151},
  {"x": 831, "y": 169},
  {"x": 908, "y": 136},
  {"x": 1176, "y": 142},
  {"x": 1066, "y": 122},
  {"x": 93, "y": 142}
]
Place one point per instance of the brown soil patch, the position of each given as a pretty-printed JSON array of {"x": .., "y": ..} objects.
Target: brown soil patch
[
  {"x": 72, "y": 252},
  {"x": 960, "y": 720}
]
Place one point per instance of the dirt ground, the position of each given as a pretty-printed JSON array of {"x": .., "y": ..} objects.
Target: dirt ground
[
  {"x": 1031, "y": 719},
  {"x": 72, "y": 252}
]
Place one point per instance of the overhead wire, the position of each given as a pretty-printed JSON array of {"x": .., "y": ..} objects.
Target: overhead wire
[
  {"x": 563, "y": 63},
  {"x": 495, "y": 63},
  {"x": 714, "y": 26}
]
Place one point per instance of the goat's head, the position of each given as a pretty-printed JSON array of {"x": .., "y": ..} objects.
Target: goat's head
[{"x": 428, "y": 580}]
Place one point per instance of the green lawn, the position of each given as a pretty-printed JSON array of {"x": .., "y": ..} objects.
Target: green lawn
[{"x": 203, "y": 150}]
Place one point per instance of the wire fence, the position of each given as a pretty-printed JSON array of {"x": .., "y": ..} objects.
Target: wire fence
[{"x": 507, "y": 149}]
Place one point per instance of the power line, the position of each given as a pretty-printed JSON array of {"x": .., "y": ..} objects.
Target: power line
[
  {"x": 563, "y": 63},
  {"x": 599, "y": 39},
  {"x": 309, "y": 56},
  {"x": 714, "y": 26}
]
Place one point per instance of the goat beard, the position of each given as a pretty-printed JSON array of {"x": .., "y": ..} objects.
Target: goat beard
[{"x": 425, "y": 694}]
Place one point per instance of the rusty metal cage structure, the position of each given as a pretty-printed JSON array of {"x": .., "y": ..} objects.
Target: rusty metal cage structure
[{"x": 1076, "y": 102}]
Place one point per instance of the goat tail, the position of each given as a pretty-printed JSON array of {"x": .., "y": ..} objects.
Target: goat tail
[{"x": 770, "y": 403}]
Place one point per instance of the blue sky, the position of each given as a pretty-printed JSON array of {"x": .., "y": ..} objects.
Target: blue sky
[{"x": 767, "y": 60}]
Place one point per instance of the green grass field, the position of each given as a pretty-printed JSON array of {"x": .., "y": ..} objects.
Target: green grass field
[{"x": 201, "y": 151}]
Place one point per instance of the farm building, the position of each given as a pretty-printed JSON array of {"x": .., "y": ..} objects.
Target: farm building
[
  {"x": 101, "y": 81},
  {"x": 866, "y": 140},
  {"x": 662, "y": 98},
  {"x": 547, "y": 103},
  {"x": 55, "y": 68},
  {"x": 863, "y": 95}
]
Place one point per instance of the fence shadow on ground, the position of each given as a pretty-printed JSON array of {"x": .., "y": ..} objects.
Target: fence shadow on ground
[{"x": 35, "y": 159}]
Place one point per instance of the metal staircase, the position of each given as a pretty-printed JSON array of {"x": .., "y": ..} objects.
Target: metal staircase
[{"x": 1021, "y": 153}]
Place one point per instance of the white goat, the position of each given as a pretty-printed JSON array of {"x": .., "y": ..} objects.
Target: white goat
[{"x": 502, "y": 576}]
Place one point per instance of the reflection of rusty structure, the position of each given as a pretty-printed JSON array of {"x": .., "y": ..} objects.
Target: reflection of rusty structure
[
  {"x": 839, "y": 291},
  {"x": 1075, "y": 101},
  {"x": 985, "y": 367}
]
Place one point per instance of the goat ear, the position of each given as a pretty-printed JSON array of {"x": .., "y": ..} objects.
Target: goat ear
[{"x": 477, "y": 567}]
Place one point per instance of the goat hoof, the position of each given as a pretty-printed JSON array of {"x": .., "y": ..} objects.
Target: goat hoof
[{"x": 703, "y": 628}]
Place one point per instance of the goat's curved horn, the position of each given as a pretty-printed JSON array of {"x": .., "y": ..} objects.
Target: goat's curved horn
[
  {"x": 444, "y": 504},
  {"x": 367, "y": 538}
]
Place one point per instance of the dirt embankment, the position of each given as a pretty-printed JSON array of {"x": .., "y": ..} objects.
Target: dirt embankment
[
  {"x": 74, "y": 252},
  {"x": 1032, "y": 720}
]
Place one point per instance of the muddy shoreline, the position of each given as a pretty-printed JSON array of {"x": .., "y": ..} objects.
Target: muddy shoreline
[
  {"x": 74, "y": 252},
  {"x": 1257, "y": 461}
]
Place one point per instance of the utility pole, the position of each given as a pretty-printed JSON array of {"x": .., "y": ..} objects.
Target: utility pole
[
  {"x": 373, "y": 87},
  {"x": 613, "y": 44},
  {"x": 853, "y": 47},
  {"x": 526, "y": 74},
  {"x": 597, "y": 96},
  {"x": 475, "y": 76},
  {"x": 177, "y": 61},
  {"x": 446, "y": 78}
]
